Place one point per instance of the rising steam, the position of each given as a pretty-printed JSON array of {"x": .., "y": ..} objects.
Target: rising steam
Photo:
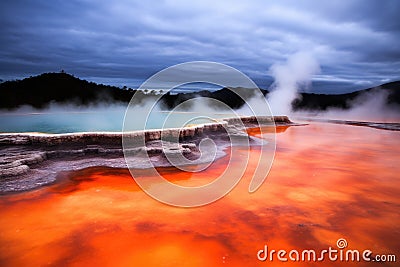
[
  {"x": 297, "y": 71},
  {"x": 368, "y": 106}
]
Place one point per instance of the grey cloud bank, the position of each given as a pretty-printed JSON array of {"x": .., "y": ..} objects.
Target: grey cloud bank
[{"x": 125, "y": 42}]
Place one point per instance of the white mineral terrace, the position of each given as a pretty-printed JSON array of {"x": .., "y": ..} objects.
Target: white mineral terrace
[
  {"x": 149, "y": 135},
  {"x": 28, "y": 160}
]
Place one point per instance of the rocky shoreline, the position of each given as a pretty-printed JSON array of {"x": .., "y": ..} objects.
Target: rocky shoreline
[{"x": 29, "y": 160}]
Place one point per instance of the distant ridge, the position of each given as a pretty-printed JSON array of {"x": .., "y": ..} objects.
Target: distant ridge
[
  {"x": 39, "y": 91},
  {"x": 322, "y": 101}
]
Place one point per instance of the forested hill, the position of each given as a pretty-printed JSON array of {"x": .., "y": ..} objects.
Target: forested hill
[{"x": 39, "y": 91}]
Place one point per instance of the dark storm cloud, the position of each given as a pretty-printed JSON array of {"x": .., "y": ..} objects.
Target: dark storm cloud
[{"x": 124, "y": 42}]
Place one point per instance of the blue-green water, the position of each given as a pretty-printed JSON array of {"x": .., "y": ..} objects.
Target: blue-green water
[
  {"x": 61, "y": 122},
  {"x": 109, "y": 120}
]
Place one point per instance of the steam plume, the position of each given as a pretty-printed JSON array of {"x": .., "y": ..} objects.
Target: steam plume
[{"x": 296, "y": 71}]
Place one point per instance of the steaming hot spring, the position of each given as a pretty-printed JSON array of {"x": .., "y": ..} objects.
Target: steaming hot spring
[{"x": 72, "y": 200}]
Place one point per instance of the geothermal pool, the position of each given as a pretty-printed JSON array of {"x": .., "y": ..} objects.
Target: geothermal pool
[
  {"x": 328, "y": 181},
  {"x": 109, "y": 119},
  {"x": 94, "y": 120}
]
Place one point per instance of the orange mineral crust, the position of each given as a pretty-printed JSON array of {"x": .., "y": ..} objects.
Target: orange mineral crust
[{"x": 328, "y": 181}]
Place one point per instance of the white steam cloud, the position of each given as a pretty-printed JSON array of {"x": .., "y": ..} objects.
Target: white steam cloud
[
  {"x": 368, "y": 106},
  {"x": 289, "y": 76}
]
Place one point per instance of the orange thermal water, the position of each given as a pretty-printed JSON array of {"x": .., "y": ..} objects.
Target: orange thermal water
[{"x": 327, "y": 182}]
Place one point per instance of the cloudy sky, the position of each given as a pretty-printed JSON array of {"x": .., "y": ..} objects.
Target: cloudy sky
[{"x": 124, "y": 42}]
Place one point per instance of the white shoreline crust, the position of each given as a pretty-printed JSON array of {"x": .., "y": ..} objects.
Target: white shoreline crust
[
  {"x": 151, "y": 134},
  {"x": 29, "y": 160}
]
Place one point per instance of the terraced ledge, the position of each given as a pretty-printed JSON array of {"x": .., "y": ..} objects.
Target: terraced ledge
[
  {"x": 110, "y": 138},
  {"x": 390, "y": 126},
  {"x": 28, "y": 160}
]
